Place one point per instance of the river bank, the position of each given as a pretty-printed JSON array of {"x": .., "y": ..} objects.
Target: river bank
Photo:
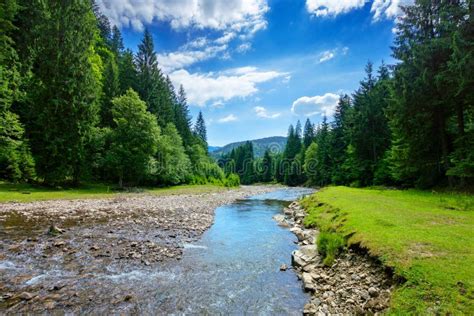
[
  {"x": 48, "y": 269},
  {"x": 425, "y": 237},
  {"x": 353, "y": 284}
]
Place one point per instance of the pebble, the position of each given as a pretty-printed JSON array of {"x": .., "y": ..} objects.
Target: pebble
[{"x": 354, "y": 284}]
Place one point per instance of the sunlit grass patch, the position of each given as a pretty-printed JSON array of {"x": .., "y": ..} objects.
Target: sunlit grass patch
[{"x": 426, "y": 237}]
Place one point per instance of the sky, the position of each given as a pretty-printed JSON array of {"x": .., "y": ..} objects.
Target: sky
[{"x": 253, "y": 67}]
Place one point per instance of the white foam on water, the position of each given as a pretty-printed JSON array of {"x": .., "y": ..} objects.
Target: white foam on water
[
  {"x": 192, "y": 246},
  {"x": 137, "y": 275},
  {"x": 35, "y": 279},
  {"x": 8, "y": 265}
]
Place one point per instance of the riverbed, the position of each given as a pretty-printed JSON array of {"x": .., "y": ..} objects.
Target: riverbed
[{"x": 233, "y": 268}]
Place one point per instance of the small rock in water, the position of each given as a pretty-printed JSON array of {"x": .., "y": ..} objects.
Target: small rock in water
[{"x": 283, "y": 267}]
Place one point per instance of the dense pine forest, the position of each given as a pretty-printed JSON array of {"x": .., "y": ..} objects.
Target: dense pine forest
[
  {"x": 408, "y": 124},
  {"x": 76, "y": 106}
]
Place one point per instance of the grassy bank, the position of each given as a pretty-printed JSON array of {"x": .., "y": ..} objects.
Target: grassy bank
[
  {"x": 26, "y": 193},
  {"x": 428, "y": 238}
]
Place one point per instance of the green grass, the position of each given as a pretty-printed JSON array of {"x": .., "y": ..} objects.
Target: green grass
[
  {"x": 27, "y": 193},
  {"x": 426, "y": 237}
]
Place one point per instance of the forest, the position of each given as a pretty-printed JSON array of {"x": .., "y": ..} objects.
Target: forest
[
  {"x": 77, "y": 106},
  {"x": 410, "y": 124}
]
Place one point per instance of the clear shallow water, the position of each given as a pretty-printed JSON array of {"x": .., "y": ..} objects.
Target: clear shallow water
[{"x": 234, "y": 268}]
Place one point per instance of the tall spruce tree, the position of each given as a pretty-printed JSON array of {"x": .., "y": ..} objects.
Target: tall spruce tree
[
  {"x": 152, "y": 85},
  {"x": 308, "y": 134},
  {"x": 16, "y": 162},
  {"x": 423, "y": 103},
  {"x": 116, "y": 42},
  {"x": 267, "y": 164},
  {"x": 128, "y": 75},
  {"x": 340, "y": 139},
  {"x": 200, "y": 130},
  {"x": 182, "y": 117},
  {"x": 66, "y": 98}
]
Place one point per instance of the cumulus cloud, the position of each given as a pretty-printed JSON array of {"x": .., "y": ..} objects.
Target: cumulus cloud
[
  {"x": 214, "y": 14},
  {"x": 319, "y": 104},
  {"x": 388, "y": 8},
  {"x": 380, "y": 8},
  {"x": 184, "y": 57},
  {"x": 263, "y": 113},
  {"x": 202, "y": 89},
  {"x": 228, "y": 118},
  {"x": 332, "y": 7}
]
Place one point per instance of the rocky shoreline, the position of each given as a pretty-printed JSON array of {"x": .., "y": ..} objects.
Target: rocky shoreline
[
  {"x": 354, "y": 284},
  {"x": 59, "y": 255}
]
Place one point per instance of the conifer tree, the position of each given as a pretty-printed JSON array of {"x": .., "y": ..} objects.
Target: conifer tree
[
  {"x": 182, "y": 117},
  {"x": 66, "y": 101},
  {"x": 308, "y": 134},
  {"x": 340, "y": 139},
  {"x": 267, "y": 167},
  {"x": 200, "y": 130},
  {"x": 152, "y": 85},
  {"x": 116, "y": 42},
  {"x": 128, "y": 76},
  {"x": 16, "y": 162}
]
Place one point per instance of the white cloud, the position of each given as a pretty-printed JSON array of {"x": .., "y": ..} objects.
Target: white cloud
[
  {"x": 326, "y": 56},
  {"x": 263, "y": 113},
  {"x": 388, "y": 8},
  {"x": 320, "y": 104},
  {"x": 332, "y": 7},
  {"x": 183, "y": 58},
  {"x": 380, "y": 8},
  {"x": 228, "y": 118},
  {"x": 226, "y": 38},
  {"x": 214, "y": 14},
  {"x": 202, "y": 89},
  {"x": 244, "y": 47},
  {"x": 330, "y": 54}
]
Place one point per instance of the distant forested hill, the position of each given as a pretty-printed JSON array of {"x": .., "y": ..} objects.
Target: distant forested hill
[{"x": 275, "y": 143}]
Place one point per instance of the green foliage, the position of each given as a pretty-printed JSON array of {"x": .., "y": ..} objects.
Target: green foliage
[
  {"x": 153, "y": 87},
  {"x": 232, "y": 180},
  {"x": 65, "y": 97},
  {"x": 329, "y": 245},
  {"x": 16, "y": 162},
  {"x": 134, "y": 139},
  {"x": 200, "y": 130},
  {"x": 127, "y": 72},
  {"x": 172, "y": 164},
  {"x": 241, "y": 161}
]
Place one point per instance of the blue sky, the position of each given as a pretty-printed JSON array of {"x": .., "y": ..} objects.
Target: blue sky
[{"x": 255, "y": 66}]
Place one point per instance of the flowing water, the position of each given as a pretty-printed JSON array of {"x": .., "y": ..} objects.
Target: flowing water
[{"x": 232, "y": 269}]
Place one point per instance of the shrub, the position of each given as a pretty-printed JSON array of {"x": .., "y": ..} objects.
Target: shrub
[
  {"x": 329, "y": 245},
  {"x": 232, "y": 180}
]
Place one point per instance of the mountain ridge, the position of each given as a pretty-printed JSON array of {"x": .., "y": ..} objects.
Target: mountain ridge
[{"x": 276, "y": 144}]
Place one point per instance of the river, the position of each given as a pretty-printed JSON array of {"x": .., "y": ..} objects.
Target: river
[{"x": 234, "y": 268}]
